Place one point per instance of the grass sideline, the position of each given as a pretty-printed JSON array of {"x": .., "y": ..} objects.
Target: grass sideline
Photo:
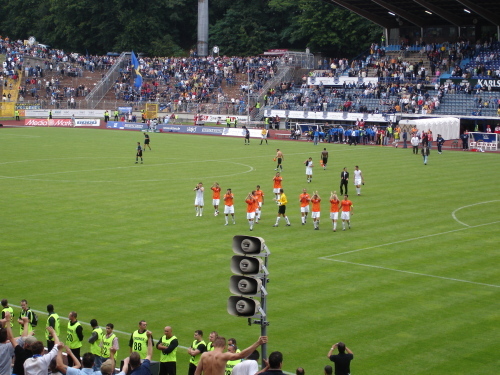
[{"x": 412, "y": 288}]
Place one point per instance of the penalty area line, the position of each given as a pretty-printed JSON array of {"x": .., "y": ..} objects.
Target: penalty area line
[
  {"x": 413, "y": 273},
  {"x": 327, "y": 257}
]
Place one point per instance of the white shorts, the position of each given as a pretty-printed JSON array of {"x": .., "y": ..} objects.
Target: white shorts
[
  {"x": 250, "y": 215},
  {"x": 277, "y": 190},
  {"x": 215, "y": 202},
  {"x": 229, "y": 209},
  {"x": 357, "y": 181},
  {"x": 346, "y": 215},
  {"x": 199, "y": 202},
  {"x": 315, "y": 214},
  {"x": 304, "y": 209},
  {"x": 309, "y": 170},
  {"x": 334, "y": 215}
]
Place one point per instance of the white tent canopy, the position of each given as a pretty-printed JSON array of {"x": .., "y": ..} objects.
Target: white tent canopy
[{"x": 448, "y": 127}]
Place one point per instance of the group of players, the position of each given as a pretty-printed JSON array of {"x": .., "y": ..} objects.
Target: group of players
[{"x": 255, "y": 199}]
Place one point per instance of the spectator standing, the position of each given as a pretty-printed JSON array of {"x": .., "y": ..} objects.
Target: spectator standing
[
  {"x": 342, "y": 360},
  {"x": 414, "y": 142},
  {"x": 440, "y": 142},
  {"x": 425, "y": 151}
]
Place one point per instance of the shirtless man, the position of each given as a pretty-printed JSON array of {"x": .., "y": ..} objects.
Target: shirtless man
[
  {"x": 279, "y": 159},
  {"x": 214, "y": 362}
]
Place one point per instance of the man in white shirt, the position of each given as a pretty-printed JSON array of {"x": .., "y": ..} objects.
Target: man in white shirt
[
  {"x": 249, "y": 366},
  {"x": 39, "y": 364}
]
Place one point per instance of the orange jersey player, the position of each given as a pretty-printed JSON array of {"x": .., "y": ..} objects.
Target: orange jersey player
[
  {"x": 347, "y": 211},
  {"x": 252, "y": 205},
  {"x": 334, "y": 209},
  {"x": 216, "y": 197},
  {"x": 305, "y": 200},
  {"x": 277, "y": 185},
  {"x": 229, "y": 205},
  {"x": 316, "y": 209},
  {"x": 259, "y": 194}
]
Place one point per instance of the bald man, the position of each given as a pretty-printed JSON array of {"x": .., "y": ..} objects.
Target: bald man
[{"x": 214, "y": 362}]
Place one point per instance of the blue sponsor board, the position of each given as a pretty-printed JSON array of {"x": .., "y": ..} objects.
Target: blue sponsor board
[
  {"x": 125, "y": 125},
  {"x": 166, "y": 128}
]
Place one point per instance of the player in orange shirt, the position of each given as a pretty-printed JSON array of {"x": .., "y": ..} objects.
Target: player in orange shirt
[
  {"x": 334, "y": 209},
  {"x": 252, "y": 203},
  {"x": 216, "y": 197},
  {"x": 347, "y": 211},
  {"x": 304, "y": 200},
  {"x": 260, "y": 199},
  {"x": 277, "y": 185},
  {"x": 228, "y": 205},
  {"x": 316, "y": 210}
]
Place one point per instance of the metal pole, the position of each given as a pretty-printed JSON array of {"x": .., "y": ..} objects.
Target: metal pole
[{"x": 263, "y": 320}]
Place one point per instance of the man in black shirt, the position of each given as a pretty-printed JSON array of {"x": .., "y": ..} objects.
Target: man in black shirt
[
  {"x": 342, "y": 360},
  {"x": 344, "y": 181},
  {"x": 274, "y": 365}
]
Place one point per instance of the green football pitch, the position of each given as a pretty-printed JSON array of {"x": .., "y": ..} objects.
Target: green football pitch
[{"x": 412, "y": 288}]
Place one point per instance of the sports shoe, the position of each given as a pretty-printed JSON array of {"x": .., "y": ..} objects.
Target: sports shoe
[
  {"x": 197, "y": 214},
  {"x": 303, "y": 223},
  {"x": 136, "y": 162},
  {"x": 317, "y": 228},
  {"x": 251, "y": 229},
  {"x": 289, "y": 225},
  {"x": 275, "y": 225},
  {"x": 226, "y": 224},
  {"x": 343, "y": 228},
  {"x": 234, "y": 222}
]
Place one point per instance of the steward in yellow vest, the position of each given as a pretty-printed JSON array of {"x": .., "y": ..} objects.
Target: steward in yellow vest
[
  {"x": 54, "y": 322},
  {"x": 168, "y": 346}
]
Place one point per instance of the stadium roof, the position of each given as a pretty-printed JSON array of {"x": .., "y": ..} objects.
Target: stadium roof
[{"x": 425, "y": 13}]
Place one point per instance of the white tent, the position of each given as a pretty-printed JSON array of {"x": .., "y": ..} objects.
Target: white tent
[{"x": 448, "y": 127}]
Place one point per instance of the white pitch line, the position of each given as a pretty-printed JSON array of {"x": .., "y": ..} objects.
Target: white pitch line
[
  {"x": 414, "y": 273},
  {"x": 407, "y": 240},
  {"x": 470, "y": 205},
  {"x": 85, "y": 323},
  {"x": 26, "y": 177}
]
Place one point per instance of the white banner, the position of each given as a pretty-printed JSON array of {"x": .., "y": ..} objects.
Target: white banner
[
  {"x": 339, "y": 81},
  {"x": 239, "y": 132},
  {"x": 66, "y": 113},
  {"x": 87, "y": 122},
  {"x": 338, "y": 116}
]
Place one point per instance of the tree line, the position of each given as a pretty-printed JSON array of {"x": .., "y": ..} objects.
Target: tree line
[{"x": 169, "y": 27}]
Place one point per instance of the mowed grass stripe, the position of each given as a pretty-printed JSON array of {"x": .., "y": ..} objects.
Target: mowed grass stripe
[{"x": 132, "y": 248}]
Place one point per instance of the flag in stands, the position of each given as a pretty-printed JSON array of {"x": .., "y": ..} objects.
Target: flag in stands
[{"x": 138, "y": 76}]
